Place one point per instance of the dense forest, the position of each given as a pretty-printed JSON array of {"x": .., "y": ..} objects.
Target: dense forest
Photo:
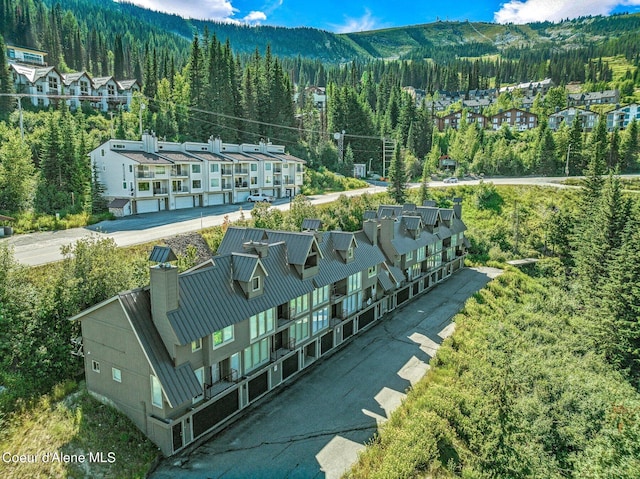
[{"x": 211, "y": 87}]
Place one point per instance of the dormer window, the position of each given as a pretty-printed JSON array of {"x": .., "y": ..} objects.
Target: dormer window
[
  {"x": 350, "y": 253},
  {"x": 256, "y": 284}
]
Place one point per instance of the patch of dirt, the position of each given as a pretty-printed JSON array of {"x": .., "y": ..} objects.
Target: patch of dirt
[{"x": 180, "y": 243}]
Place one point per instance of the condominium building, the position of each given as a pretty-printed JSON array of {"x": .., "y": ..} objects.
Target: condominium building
[
  {"x": 184, "y": 355},
  {"x": 151, "y": 175}
]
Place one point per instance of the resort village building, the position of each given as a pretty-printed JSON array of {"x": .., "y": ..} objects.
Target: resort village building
[
  {"x": 187, "y": 353},
  {"x": 151, "y": 175}
]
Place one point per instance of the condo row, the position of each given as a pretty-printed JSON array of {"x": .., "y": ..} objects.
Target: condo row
[{"x": 187, "y": 353}]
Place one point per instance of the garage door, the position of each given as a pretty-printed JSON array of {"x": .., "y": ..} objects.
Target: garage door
[
  {"x": 184, "y": 202},
  {"x": 146, "y": 206},
  {"x": 242, "y": 196},
  {"x": 216, "y": 199}
]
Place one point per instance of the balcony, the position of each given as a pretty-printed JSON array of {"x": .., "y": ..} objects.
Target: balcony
[
  {"x": 277, "y": 169},
  {"x": 277, "y": 183},
  {"x": 160, "y": 191},
  {"x": 226, "y": 186},
  {"x": 179, "y": 171},
  {"x": 241, "y": 171},
  {"x": 145, "y": 174},
  {"x": 180, "y": 189},
  {"x": 242, "y": 184},
  {"x": 223, "y": 384},
  {"x": 227, "y": 171},
  {"x": 284, "y": 349}
]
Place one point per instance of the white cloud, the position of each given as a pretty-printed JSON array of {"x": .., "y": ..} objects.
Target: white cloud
[
  {"x": 198, "y": 9},
  {"x": 254, "y": 17},
  {"x": 524, "y": 11},
  {"x": 365, "y": 23}
]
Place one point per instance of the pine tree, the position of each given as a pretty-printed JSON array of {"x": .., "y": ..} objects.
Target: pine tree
[
  {"x": 16, "y": 173},
  {"x": 630, "y": 147},
  {"x": 6, "y": 84},
  {"x": 574, "y": 152},
  {"x": 118, "y": 58},
  {"x": 424, "y": 184},
  {"x": 546, "y": 156},
  {"x": 398, "y": 177}
]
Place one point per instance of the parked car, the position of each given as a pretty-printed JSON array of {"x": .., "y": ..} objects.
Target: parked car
[
  {"x": 260, "y": 198},
  {"x": 452, "y": 179}
]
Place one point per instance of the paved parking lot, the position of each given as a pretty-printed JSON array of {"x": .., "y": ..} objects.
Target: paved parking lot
[{"x": 315, "y": 426}]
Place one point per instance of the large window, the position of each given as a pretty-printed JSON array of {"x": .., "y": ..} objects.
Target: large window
[
  {"x": 409, "y": 256},
  {"x": 421, "y": 253},
  {"x": 261, "y": 324},
  {"x": 320, "y": 295},
  {"x": 354, "y": 282},
  {"x": 223, "y": 336},
  {"x": 156, "y": 392},
  {"x": 214, "y": 167},
  {"x": 352, "y": 304},
  {"x": 300, "y": 329},
  {"x": 256, "y": 355},
  {"x": 195, "y": 168},
  {"x": 320, "y": 320},
  {"x": 299, "y": 305},
  {"x": 215, "y": 183},
  {"x": 144, "y": 186}
]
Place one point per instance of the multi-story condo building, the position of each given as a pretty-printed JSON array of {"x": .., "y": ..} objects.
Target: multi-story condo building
[
  {"x": 515, "y": 118},
  {"x": 186, "y": 354},
  {"x": 29, "y": 56},
  {"x": 39, "y": 82},
  {"x": 587, "y": 117},
  {"x": 604, "y": 97},
  {"x": 452, "y": 120},
  {"x": 150, "y": 175},
  {"x": 621, "y": 117}
]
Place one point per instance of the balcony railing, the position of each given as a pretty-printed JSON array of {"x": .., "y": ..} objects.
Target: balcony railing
[
  {"x": 145, "y": 174},
  {"x": 180, "y": 189},
  {"x": 160, "y": 191},
  {"x": 242, "y": 184},
  {"x": 283, "y": 350},
  {"x": 277, "y": 183},
  {"x": 179, "y": 172},
  {"x": 227, "y": 186},
  {"x": 227, "y": 172},
  {"x": 241, "y": 171},
  {"x": 222, "y": 384}
]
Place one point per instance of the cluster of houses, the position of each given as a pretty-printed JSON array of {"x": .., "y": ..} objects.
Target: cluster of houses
[
  {"x": 184, "y": 355},
  {"x": 45, "y": 85},
  {"x": 150, "y": 175}
]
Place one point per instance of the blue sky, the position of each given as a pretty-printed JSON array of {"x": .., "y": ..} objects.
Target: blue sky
[{"x": 345, "y": 16}]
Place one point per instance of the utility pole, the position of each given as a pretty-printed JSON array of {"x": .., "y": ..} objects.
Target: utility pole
[
  {"x": 340, "y": 137},
  {"x": 142, "y": 107},
  {"x": 566, "y": 167}
]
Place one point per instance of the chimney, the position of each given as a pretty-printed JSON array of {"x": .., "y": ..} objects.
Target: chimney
[
  {"x": 386, "y": 229},
  {"x": 215, "y": 144},
  {"x": 164, "y": 298},
  {"x": 261, "y": 249},
  {"x": 457, "y": 207},
  {"x": 370, "y": 228},
  {"x": 149, "y": 142}
]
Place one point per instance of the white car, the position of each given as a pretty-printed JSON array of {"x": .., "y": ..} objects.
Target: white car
[
  {"x": 260, "y": 198},
  {"x": 452, "y": 179}
]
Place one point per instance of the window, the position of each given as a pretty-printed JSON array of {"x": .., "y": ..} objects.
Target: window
[
  {"x": 196, "y": 345},
  {"x": 156, "y": 392},
  {"x": 350, "y": 252},
  {"x": 354, "y": 282},
  {"x": 320, "y": 320},
  {"x": 372, "y": 271},
  {"x": 124, "y": 185},
  {"x": 267, "y": 180},
  {"x": 256, "y": 354},
  {"x": 39, "y": 88},
  {"x": 95, "y": 366},
  {"x": 300, "y": 330},
  {"x": 223, "y": 336},
  {"x": 254, "y": 167},
  {"x": 215, "y": 183},
  {"x": 351, "y": 304},
  {"x": 200, "y": 376},
  {"x": 160, "y": 170},
  {"x": 299, "y": 305},
  {"x": 421, "y": 255},
  {"x": 261, "y": 323},
  {"x": 214, "y": 168},
  {"x": 144, "y": 186},
  {"x": 320, "y": 295},
  {"x": 409, "y": 256},
  {"x": 414, "y": 271},
  {"x": 130, "y": 168},
  {"x": 254, "y": 180},
  {"x": 116, "y": 374},
  {"x": 255, "y": 283},
  {"x": 267, "y": 166},
  {"x": 195, "y": 168},
  {"x": 197, "y": 184}
]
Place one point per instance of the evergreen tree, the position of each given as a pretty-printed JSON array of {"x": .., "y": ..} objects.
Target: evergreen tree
[
  {"x": 6, "y": 84},
  {"x": 16, "y": 173},
  {"x": 630, "y": 147},
  {"x": 546, "y": 155},
  {"x": 397, "y": 177},
  {"x": 118, "y": 58},
  {"x": 424, "y": 184},
  {"x": 574, "y": 151}
]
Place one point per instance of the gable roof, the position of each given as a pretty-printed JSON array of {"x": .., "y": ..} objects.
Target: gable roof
[
  {"x": 210, "y": 300},
  {"x": 127, "y": 84},
  {"x": 342, "y": 241},
  {"x": 99, "y": 82},
  {"x": 145, "y": 158},
  {"x": 311, "y": 224},
  {"x": 244, "y": 266},
  {"x": 179, "y": 384},
  {"x": 429, "y": 215},
  {"x": 69, "y": 78},
  {"x": 32, "y": 73}
]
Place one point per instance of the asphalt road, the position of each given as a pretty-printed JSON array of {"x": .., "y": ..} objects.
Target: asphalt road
[
  {"x": 44, "y": 247},
  {"x": 315, "y": 427}
]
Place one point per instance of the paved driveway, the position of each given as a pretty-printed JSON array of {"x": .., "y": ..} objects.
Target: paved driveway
[{"x": 315, "y": 427}]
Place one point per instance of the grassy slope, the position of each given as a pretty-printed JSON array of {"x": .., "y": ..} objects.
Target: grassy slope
[{"x": 515, "y": 392}]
